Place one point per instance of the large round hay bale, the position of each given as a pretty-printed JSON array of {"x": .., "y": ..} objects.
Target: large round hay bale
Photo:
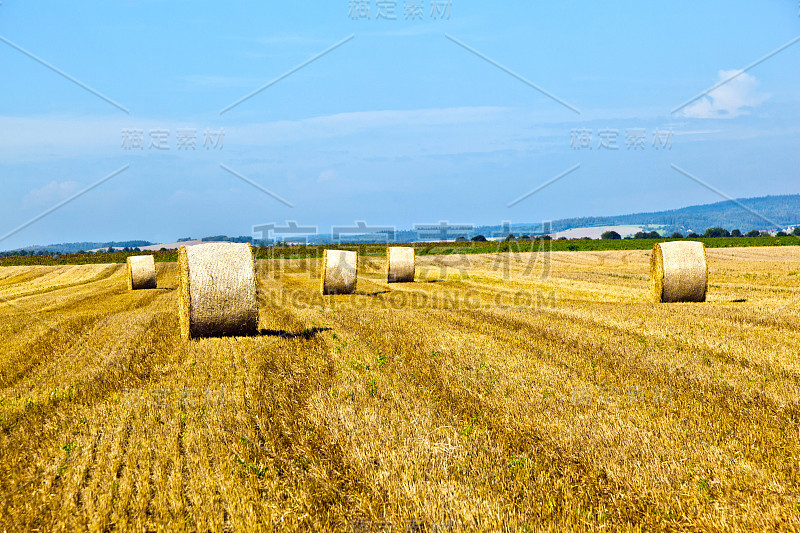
[
  {"x": 679, "y": 272},
  {"x": 217, "y": 290},
  {"x": 400, "y": 264},
  {"x": 141, "y": 272},
  {"x": 339, "y": 272}
]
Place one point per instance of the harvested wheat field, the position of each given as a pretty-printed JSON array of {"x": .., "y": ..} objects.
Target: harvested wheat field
[{"x": 497, "y": 393}]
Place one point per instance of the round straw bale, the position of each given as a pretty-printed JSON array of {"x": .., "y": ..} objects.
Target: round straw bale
[
  {"x": 679, "y": 271},
  {"x": 141, "y": 272},
  {"x": 400, "y": 264},
  {"x": 339, "y": 271},
  {"x": 217, "y": 290}
]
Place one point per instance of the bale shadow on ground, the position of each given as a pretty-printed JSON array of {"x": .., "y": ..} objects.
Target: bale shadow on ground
[
  {"x": 376, "y": 293},
  {"x": 308, "y": 333}
]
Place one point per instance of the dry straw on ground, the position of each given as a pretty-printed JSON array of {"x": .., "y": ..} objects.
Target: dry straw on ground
[
  {"x": 595, "y": 414},
  {"x": 217, "y": 290},
  {"x": 141, "y": 272},
  {"x": 679, "y": 271},
  {"x": 339, "y": 272},
  {"x": 400, "y": 264}
]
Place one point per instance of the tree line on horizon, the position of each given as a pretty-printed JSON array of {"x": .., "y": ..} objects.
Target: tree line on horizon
[
  {"x": 709, "y": 233},
  {"x": 714, "y": 232}
]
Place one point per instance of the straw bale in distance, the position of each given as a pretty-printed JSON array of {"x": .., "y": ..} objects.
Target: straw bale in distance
[
  {"x": 141, "y": 272},
  {"x": 339, "y": 271},
  {"x": 400, "y": 264},
  {"x": 679, "y": 272},
  {"x": 217, "y": 290}
]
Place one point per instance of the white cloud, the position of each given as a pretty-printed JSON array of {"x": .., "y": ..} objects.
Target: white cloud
[
  {"x": 327, "y": 175},
  {"x": 50, "y": 194},
  {"x": 444, "y": 131},
  {"x": 729, "y": 100},
  {"x": 341, "y": 125}
]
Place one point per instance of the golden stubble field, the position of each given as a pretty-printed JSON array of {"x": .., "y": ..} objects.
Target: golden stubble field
[{"x": 491, "y": 395}]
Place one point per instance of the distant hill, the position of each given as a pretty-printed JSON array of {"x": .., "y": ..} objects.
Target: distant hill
[
  {"x": 745, "y": 214},
  {"x": 73, "y": 247},
  {"x": 763, "y": 213}
]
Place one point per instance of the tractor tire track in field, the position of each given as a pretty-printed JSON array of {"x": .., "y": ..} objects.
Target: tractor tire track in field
[
  {"x": 86, "y": 478},
  {"x": 19, "y": 275},
  {"x": 60, "y": 339},
  {"x": 85, "y": 296},
  {"x": 457, "y": 406},
  {"x": 130, "y": 361},
  {"x": 53, "y": 337},
  {"x": 557, "y": 465},
  {"x": 105, "y": 274},
  {"x": 764, "y": 418},
  {"x": 563, "y": 330},
  {"x": 299, "y": 445},
  {"x": 95, "y": 386},
  {"x": 558, "y": 337}
]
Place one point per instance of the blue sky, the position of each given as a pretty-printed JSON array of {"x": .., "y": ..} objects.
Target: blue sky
[{"x": 398, "y": 125}]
